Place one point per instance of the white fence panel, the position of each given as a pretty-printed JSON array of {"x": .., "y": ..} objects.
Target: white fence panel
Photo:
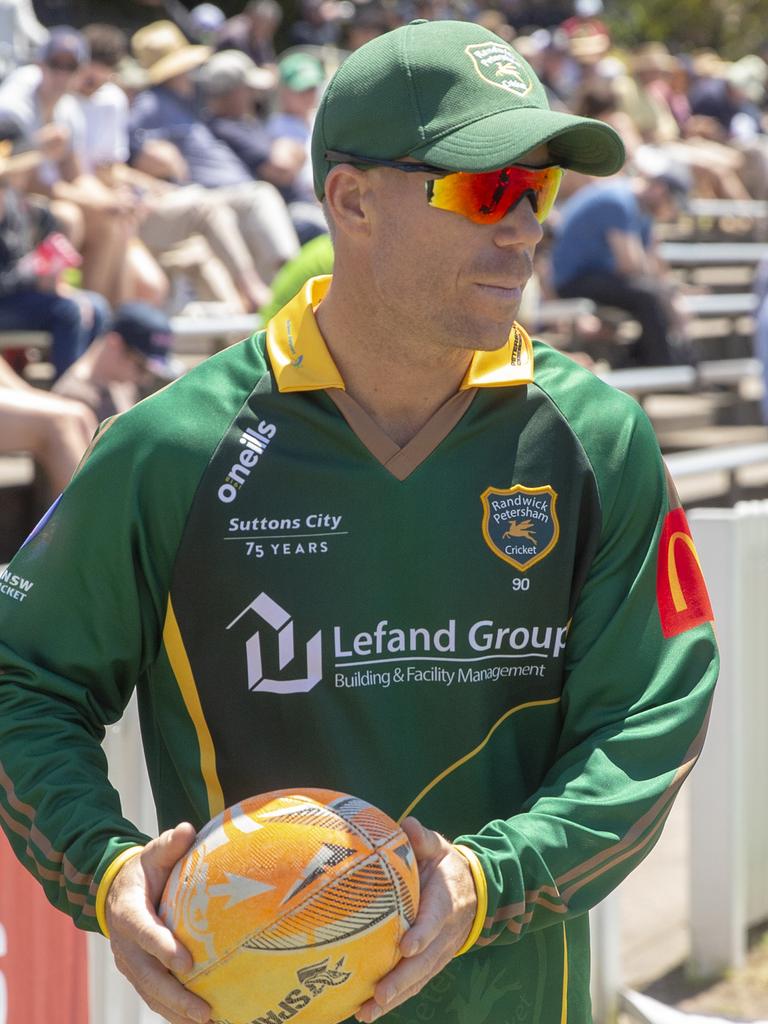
[
  {"x": 729, "y": 824},
  {"x": 112, "y": 1000}
]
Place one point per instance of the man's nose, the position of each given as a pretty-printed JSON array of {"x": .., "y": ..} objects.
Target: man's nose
[{"x": 519, "y": 227}]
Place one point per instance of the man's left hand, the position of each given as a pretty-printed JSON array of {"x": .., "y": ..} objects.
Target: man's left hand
[{"x": 446, "y": 912}]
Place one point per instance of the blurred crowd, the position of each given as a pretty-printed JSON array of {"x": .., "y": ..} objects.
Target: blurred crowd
[{"x": 166, "y": 170}]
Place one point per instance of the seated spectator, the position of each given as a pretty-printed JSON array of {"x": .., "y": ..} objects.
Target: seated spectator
[
  {"x": 253, "y": 31},
  {"x": 167, "y": 112},
  {"x": 55, "y": 431},
  {"x": 104, "y": 107},
  {"x": 319, "y": 24},
  {"x": 370, "y": 20},
  {"x": 300, "y": 78},
  {"x": 604, "y": 250},
  {"x": 35, "y": 100},
  {"x": 38, "y": 99},
  {"x": 230, "y": 81},
  {"x": 132, "y": 359},
  {"x": 167, "y": 216},
  {"x": 32, "y": 296}
]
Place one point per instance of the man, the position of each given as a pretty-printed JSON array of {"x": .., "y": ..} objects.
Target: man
[
  {"x": 167, "y": 113},
  {"x": 32, "y": 255},
  {"x": 253, "y": 31},
  {"x": 230, "y": 82},
  {"x": 128, "y": 361},
  {"x": 36, "y": 98},
  {"x": 54, "y": 431},
  {"x": 469, "y": 576},
  {"x": 605, "y": 250}
]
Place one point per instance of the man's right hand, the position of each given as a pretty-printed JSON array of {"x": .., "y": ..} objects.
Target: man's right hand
[{"x": 145, "y": 950}]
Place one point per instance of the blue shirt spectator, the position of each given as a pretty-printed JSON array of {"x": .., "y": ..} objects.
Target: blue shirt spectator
[
  {"x": 604, "y": 250},
  {"x": 160, "y": 113},
  {"x": 581, "y": 244}
]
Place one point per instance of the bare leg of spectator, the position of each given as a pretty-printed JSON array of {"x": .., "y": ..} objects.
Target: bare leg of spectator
[
  {"x": 174, "y": 216},
  {"x": 265, "y": 224},
  {"x": 142, "y": 278},
  {"x": 55, "y": 431},
  {"x": 107, "y": 237},
  {"x": 70, "y": 220}
]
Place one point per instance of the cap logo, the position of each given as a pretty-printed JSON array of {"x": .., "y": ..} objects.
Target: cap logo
[{"x": 499, "y": 65}]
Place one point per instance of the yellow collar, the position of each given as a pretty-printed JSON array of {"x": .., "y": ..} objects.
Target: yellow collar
[{"x": 301, "y": 360}]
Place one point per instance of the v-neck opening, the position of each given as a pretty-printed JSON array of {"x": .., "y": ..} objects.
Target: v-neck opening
[{"x": 398, "y": 460}]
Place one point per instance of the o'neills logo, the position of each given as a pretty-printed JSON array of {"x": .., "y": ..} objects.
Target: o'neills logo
[
  {"x": 254, "y": 444},
  {"x": 520, "y": 524},
  {"x": 499, "y": 65}
]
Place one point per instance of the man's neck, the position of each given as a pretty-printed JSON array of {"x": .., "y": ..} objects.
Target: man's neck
[{"x": 400, "y": 381}]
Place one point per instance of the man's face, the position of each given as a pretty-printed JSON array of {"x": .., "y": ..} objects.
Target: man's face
[
  {"x": 91, "y": 77},
  {"x": 59, "y": 74},
  {"x": 444, "y": 277}
]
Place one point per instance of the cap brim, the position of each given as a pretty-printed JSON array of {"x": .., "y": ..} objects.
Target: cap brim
[
  {"x": 165, "y": 367},
  {"x": 577, "y": 143}
]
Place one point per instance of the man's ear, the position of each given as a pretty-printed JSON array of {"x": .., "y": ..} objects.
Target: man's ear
[{"x": 347, "y": 191}]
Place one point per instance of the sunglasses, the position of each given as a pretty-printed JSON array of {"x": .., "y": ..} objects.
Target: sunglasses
[
  {"x": 65, "y": 67},
  {"x": 485, "y": 197}
]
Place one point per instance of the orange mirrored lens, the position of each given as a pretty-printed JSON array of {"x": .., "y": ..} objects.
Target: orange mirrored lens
[{"x": 486, "y": 198}]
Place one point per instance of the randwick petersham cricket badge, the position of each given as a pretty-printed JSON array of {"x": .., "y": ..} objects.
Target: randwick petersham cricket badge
[
  {"x": 499, "y": 65},
  {"x": 520, "y": 524}
]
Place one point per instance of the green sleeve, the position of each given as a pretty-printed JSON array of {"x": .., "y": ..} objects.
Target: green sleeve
[
  {"x": 315, "y": 258},
  {"x": 95, "y": 578},
  {"x": 635, "y": 706}
]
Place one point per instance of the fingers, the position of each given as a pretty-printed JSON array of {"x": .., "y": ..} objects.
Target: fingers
[
  {"x": 430, "y": 849},
  {"x": 159, "y": 989},
  {"x": 446, "y": 911},
  {"x": 145, "y": 950},
  {"x": 405, "y": 981}
]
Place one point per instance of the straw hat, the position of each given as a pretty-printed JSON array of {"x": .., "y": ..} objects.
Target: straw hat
[
  {"x": 652, "y": 57},
  {"x": 708, "y": 64},
  {"x": 163, "y": 51}
]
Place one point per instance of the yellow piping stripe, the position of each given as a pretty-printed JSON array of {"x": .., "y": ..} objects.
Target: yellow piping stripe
[
  {"x": 564, "y": 1012},
  {"x": 182, "y": 669},
  {"x": 468, "y": 757}
]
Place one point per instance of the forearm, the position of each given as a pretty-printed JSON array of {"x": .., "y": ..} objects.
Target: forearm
[
  {"x": 598, "y": 815},
  {"x": 60, "y": 814},
  {"x": 641, "y": 667}
]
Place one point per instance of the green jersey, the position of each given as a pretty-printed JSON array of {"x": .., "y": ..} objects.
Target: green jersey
[{"x": 500, "y": 627}]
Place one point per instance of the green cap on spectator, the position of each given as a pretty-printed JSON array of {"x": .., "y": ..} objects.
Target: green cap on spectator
[
  {"x": 452, "y": 94},
  {"x": 300, "y": 71}
]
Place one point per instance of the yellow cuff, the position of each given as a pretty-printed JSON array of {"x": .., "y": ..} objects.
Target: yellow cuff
[
  {"x": 481, "y": 888},
  {"x": 106, "y": 881}
]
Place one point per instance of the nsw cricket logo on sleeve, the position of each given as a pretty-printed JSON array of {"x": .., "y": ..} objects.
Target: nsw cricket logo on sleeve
[{"x": 520, "y": 524}]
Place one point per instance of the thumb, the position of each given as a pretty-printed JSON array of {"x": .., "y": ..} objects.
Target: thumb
[
  {"x": 427, "y": 845},
  {"x": 161, "y": 855}
]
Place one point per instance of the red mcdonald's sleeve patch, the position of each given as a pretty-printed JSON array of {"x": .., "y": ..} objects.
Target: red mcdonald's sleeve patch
[{"x": 681, "y": 593}]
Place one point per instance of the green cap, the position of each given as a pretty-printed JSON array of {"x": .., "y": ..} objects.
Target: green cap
[
  {"x": 300, "y": 71},
  {"x": 452, "y": 94}
]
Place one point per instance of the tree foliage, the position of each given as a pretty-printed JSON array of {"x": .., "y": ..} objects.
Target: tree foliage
[{"x": 731, "y": 27}]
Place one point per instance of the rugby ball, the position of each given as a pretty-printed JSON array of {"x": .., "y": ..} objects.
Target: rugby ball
[{"x": 292, "y": 905}]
